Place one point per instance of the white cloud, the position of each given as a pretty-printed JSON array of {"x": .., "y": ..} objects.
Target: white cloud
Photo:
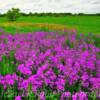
[{"x": 74, "y": 6}]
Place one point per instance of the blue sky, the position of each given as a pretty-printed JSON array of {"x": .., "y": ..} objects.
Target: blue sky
[{"x": 73, "y": 6}]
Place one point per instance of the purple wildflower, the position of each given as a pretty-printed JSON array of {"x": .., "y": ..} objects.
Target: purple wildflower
[
  {"x": 18, "y": 98},
  {"x": 42, "y": 96}
]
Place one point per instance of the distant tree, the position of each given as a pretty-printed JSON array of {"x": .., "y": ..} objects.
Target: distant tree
[
  {"x": 35, "y": 14},
  {"x": 24, "y": 14},
  {"x": 2, "y": 15},
  {"x": 30, "y": 14},
  {"x": 13, "y": 14},
  {"x": 98, "y": 14},
  {"x": 81, "y": 14}
]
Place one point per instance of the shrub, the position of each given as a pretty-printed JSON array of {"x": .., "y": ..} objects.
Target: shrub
[{"x": 13, "y": 14}]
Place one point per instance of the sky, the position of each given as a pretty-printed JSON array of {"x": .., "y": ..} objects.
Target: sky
[{"x": 72, "y": 6}]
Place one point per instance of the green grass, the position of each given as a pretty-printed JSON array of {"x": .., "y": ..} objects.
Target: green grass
[
  {"x": 13, "y": 30},
  {"x": 84, "y": 24}
]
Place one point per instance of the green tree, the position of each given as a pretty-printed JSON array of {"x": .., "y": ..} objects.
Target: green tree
[{"x": 13, "y": 14}]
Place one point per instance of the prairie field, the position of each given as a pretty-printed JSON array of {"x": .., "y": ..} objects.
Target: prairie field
[{"x": 83, "y": 24}]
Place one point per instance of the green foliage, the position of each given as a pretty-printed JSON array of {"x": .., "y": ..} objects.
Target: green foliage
[
  {"x": 73, "y": 88},
  {"x": 52, "y": 96},
  {"x": 56, "y": 71},
  {"x": 7, "y": 65},
  {"x": 97, "y": 41},
  {"x": 92, "y": 96},
  {"x": 31, "y": 95},
  {"x": 9, "y": 93},
  {"x": 13, "y": 14},
  {"x": 69, "y": 43}
]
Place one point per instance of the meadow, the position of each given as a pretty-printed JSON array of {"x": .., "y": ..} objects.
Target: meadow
[{"x": 83, "y": 24}]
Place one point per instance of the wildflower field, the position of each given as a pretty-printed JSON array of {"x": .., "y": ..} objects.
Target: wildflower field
[
  {"x": 50, "y": 58},
  {"x": 49, "y": 66}
]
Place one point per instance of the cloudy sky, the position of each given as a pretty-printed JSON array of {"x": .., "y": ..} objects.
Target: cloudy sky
[{"x": 73, "y": 6}]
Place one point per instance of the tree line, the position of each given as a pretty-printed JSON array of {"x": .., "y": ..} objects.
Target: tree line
[
  {"x": 14, "y": 13},
  {"x": 58, "y": 14}
]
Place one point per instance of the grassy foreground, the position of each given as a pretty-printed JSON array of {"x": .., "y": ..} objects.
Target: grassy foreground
[{"x": 84, "y": 24}]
